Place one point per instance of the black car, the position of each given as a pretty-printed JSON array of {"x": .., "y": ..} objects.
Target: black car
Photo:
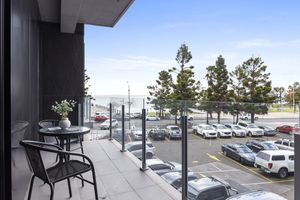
[
  {"x": 174, "y": 178},
  {"x": 268, "y": 131},
  {"x": 260, "y": 144},
  {"x": 212, "y": 188},
  {"x": 239, "y": 152},
  {"x": 157, "y": 134}
]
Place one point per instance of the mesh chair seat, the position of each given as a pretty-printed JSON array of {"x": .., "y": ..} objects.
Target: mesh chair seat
[
  {"x": 61, "y": 171},
  {"x": 64, "y": 169}
]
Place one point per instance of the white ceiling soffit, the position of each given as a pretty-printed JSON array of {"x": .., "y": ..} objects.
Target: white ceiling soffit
[{"x": 70, "y": 12}]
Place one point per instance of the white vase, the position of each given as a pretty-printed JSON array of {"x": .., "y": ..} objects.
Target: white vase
[{"x": 64, "y": 123}]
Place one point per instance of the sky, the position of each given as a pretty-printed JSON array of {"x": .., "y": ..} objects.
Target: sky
[{"x": 146, "y": 39}]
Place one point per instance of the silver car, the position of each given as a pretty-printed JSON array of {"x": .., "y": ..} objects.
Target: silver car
[
  {"x": 136, "y": 149},
  {"x": 173, "y": 132},
  {"x": 237, "y": 131}
]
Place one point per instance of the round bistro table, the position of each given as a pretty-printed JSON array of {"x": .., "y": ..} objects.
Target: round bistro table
[{"x": 65, "y": 135}]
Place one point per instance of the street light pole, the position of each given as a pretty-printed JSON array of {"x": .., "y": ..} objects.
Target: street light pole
[{"x": 129, "y": 105}]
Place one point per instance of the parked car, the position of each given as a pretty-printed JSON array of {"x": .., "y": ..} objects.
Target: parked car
[
  {"x": 280, "y": 162},
  {"x": 117, "y": 134},
  {"x": 239, "y": 152},
  {"x": 260, "y": 145},
  {"x": 247, "y": 117},
  {"x": 190, "y": 118},
  {"x": 287, "y": 129},
  {"x": 222, "y": 130},
  {"x": 236, "y": 130},
  {"x": 174, "y": 178},
  {"x": 257, "y": 195},
  {"x": 268, "y": 131},
  {"x": 100, "y": 118},
  {"x": 136, "y": 149},
  {"x": 136, "y": 134},
  {"x": 173, "y": 132},
  {"x": 205, "y": 130},
  {"x": 157, "y": 133},
  {"x": 152, "y": 118},
  {"x": 251, "y": 129},
  {"x": 285, "y": 144},
  {"x": 161, "y": 167},
  {"x": 210, "y": 188},
  {"x": 105, "y": 125}
]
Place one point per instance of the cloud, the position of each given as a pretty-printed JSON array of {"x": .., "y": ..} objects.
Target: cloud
[{"x": 265, "y": 43}]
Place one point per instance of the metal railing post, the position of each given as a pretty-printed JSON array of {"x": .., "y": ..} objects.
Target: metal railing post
[
  {"x": 184, "y": 160},
  {"x": 144, "y": 167},
  {"x": 123, "y": 129},
  {"x": 110, "y": 121}
]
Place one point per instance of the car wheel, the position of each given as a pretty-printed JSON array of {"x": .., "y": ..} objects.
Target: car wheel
[
  {"x": 250, "y": 134},
  {"x": 242, "y": 160},
  {"x": 277, "y": 129},
  {"x": 195, "y": 132},
  {"x": 283, "y": 173},
  {"x": 219, "y": 135},
  {"x": 149, "y": 155},
  {"x": 225, "y": 153},
  {"x": 203, "y": 136},
  {"x": 233, "y": 134}
]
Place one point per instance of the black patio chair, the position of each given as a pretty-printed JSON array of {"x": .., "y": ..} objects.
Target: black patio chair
[
  {"x": 47, "y": 123},
  {"x": 65, "y": 168}
]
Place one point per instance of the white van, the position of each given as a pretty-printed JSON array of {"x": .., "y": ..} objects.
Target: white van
[{"x": 280, "y": 162}]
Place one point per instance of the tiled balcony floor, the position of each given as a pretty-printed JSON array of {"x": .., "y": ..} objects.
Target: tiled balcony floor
[{"x": 118, "y": 177}]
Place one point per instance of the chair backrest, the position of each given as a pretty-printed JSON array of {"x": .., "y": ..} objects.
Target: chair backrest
[
  {"x": 48, "y": 123},
  {"x": 18, "y": 129},
  {"x": 33, "y": 153}
]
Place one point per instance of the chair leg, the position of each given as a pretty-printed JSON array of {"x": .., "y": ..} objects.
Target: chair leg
[
  {"x": 70, "y": 189},
  {"x": 52, "y": 191},
  {"x": 30, "y": 188},
  {"x": 95, "y": 184},
  {"x": 82, "y": 182}
]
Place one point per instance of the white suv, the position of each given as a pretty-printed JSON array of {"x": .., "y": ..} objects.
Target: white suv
[
  {"x": 222, "y": 130},
  {"x": 205, "y": 130},
  {"x": 251, "y": 129},
  {"x": 280, "y": 162},
  {"x": 173, "y": 132}
]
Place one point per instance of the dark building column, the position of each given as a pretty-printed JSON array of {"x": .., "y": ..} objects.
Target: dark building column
[
  {"x": 5, "y": 58},
  {"x": 297, "y": 166},
  {"x": 61, "y": 68}
]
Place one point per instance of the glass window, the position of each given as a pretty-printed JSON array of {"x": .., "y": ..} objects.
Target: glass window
[
  {"x": 278, "y": 157},
  {"x": 291, "y": 157},
  {"x": 278, "y": 142},
  {"x": 286, "y": 143},
  {"x": 263, "y": 156}
]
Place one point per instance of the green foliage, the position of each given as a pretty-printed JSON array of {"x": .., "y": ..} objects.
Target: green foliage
[
  {"x": 278, "y": 94},
  {"x": 63, "y": 108},
  {"x": 218, "y": 80},
  {"x": 293, "y": 93},
  {"x": 257, "y": 86},
  {"x": 87, "y": 86},
  {"x": 161, "y": 92}
]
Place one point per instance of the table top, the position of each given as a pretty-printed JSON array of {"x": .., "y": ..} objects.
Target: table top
[{"x": 57, "y": 131}]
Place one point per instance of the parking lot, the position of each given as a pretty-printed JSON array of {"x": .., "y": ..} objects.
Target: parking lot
[{"x": 206, "y": 159}]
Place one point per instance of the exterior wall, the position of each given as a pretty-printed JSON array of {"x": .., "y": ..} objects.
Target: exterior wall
[{"x": 61, "y": 68}]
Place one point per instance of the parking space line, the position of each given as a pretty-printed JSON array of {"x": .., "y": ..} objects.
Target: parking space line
[
  {"x": 215, "y": 166},
  {"x": 251, "y": 170},
  {"x": 221, "y": 171},
  {"x": 203, "y": 176},
  {"x": 212, "y": 157},
  {"x": 264, "y": 183}
]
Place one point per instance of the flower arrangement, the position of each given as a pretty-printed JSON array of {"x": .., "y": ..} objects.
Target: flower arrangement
[{"x": 63, "y": 108}]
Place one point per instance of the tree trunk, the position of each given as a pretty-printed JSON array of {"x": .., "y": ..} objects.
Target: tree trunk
[
  {"x": 176, "y": 119},
  {"x": 207, "y": 122},
  {"x": 237, "y": 118},
  {"x": 219, "y": 115},
  {"x": 210, "y": 113},
  {"x": 252, "y": 117}
]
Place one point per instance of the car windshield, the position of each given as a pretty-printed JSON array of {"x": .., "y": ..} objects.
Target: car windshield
[
  {"x": 207, "y": 128},
  {"x": 236, "y": 128},
  {"x": 221, "y": 127},
  {"x": 292, "y": 144},
  {"x": 252, "y": 126},
  {"x": 174, "y": 128},
  {"x": 268, "y": 128},
  {"x": 269, "y": 146},
  {"x": 244, "y": 149}
]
